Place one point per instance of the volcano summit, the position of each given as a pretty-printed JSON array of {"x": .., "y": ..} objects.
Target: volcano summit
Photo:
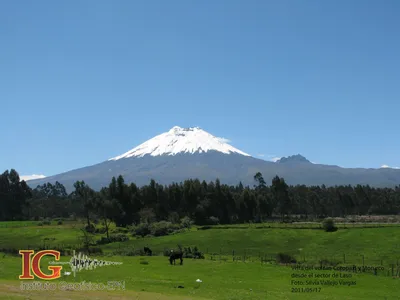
[{"x": 181, "y": 140}]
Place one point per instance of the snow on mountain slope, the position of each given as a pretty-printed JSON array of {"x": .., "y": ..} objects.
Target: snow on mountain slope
[{"x": 181, "y": 140}]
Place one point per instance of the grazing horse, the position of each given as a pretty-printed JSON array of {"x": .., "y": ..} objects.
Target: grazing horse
[
  {"x": 175, "y": 255},
  {"x": 148, "y": 251}
]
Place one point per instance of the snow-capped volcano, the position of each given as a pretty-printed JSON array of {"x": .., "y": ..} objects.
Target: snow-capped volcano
[
  {"x": 181, "y": 140},
  {"x": 192, "y": 153}
]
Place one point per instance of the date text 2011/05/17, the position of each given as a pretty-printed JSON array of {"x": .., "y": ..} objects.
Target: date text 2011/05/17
[{"x": 306, "y": 290}]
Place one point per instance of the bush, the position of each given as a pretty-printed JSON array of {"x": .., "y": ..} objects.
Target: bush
[
  {"x": 59, "y": 222},
  {"x": 142, "y": 230},
  {"x": 192, "y": 253},
  {"x": 120, "y": 230},
  {"x": 163, "y": 228},
  {"x": 155, "y": 229},
  {"x": 46, "y": 222},
  {"x": 284, "y": 258},
  {"x": 90, "y": 228},
  {"x": 213, "y": 220},
  {"x": 144, "y": 262},
  {"x": 40, "y": 224},
  {"x": 186, "y": 222},
  {"x": 329, "y": 225},
  {"x": 100, "y": 230},
  {"x": 173, "y": 217}
]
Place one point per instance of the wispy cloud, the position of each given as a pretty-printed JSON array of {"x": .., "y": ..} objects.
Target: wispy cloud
[
  {"x": 388, "y": 167},
  {"x": 31, "y": 177},
  {"x": 224, "y": 140},
  {"x": 275, "y": 159},
  {"x": 270, "y": 157}
]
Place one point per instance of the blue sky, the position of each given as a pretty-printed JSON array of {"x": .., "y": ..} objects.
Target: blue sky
[{"x": 83, "y": 81}]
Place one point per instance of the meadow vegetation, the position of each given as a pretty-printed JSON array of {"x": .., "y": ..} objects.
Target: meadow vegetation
[{"x": 241, "y": 242}]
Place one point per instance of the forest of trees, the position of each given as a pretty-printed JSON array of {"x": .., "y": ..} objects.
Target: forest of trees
[{"x": 202, "y": 202}]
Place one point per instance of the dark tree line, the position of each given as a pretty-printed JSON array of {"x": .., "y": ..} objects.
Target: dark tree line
[{"x": 204, "y": 203}]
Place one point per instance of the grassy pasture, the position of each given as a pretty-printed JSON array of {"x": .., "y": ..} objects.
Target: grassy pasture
[
  {"x": 222, "y": 278},
  {"x": 371, "y": 246}
]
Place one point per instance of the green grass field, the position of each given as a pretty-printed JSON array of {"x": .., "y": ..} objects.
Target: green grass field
[{"x": 222, "y": 278}]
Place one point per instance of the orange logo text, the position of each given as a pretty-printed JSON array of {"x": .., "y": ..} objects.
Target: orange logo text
[{"x": 33, "y": 264}]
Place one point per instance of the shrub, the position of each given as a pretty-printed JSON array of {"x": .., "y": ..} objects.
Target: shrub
[
  {"x": 120, "y": 237},
  {"x": 163, "y": 228},
  {"x": 155, "y": 229},
  {"x": 90, "y": 228},
  {"x": 144, "y": 262},
  {"x": 213, "y": 220},
  {"x": 46, "y": 222},
  {"x": 192, "y": 253},
  {"x": 120, "y": 230},
  {"x": 130, "y": 253},
  {"x": 186, "y": 222},
  {"x": 101, "y": 230},
  {"x": 59, "y": 222},
  {"x": 173, "y": 217},
  {"x": 142, "y": 230},
  {"x": 284, "y": 258},
  {"x": 329, "y": 225},
  {"x": 40, "y": 224}
]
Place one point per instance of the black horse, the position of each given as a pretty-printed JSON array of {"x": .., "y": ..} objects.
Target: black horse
[
  {"x": 175, "y": 255},
  {"x": 148, "y": 251}
]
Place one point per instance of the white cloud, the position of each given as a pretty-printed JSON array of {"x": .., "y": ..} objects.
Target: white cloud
[
  {"x": 275, "y": 159},
  {"x": 224, "y": 140},
  {"x": 31, "y": 177},
  {"x": 270, "y": 157},
  {"x": 388, "y": 167}
]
